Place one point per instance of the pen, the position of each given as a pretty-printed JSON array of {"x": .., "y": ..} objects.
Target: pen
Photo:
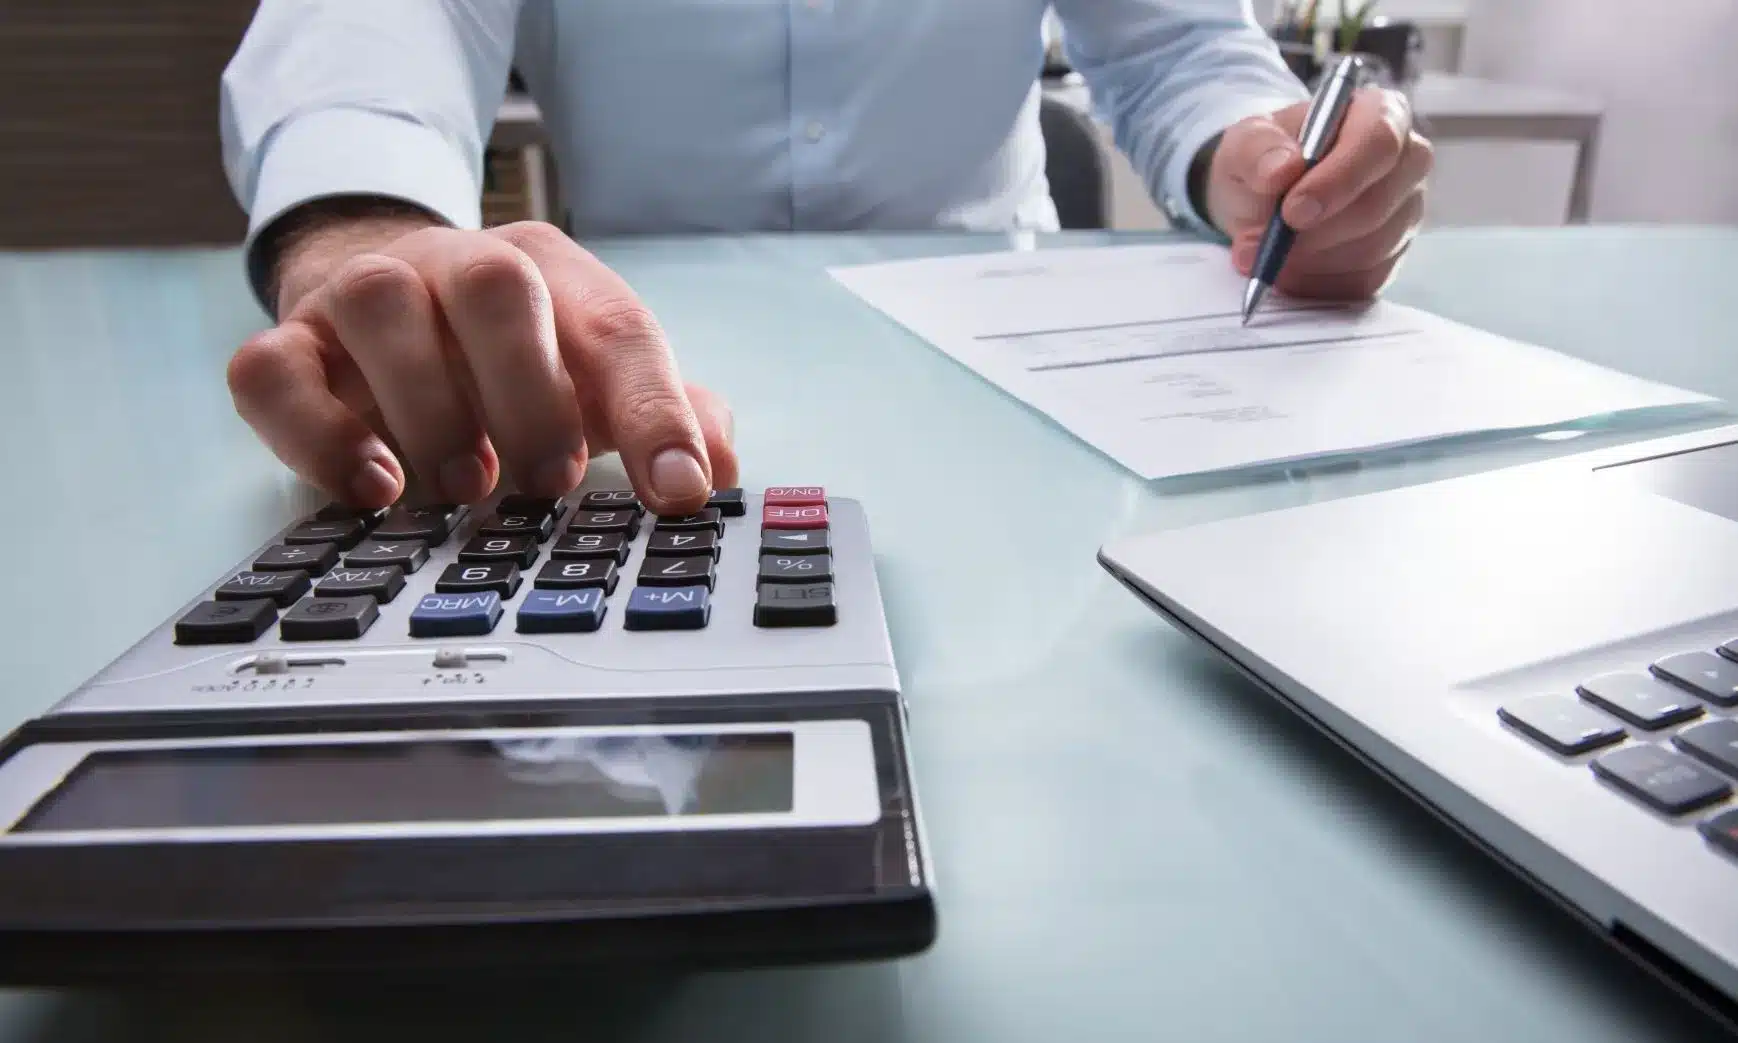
[{"x": 1321, "y": 127}]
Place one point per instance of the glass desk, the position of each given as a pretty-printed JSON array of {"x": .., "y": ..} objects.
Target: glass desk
[{"x": 1133, "y": 844}]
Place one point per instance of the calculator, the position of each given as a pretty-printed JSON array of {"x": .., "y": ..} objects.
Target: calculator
[{"x": 519, "y": 733}]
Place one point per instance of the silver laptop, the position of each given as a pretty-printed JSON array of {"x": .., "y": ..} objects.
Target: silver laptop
[{"x": 1546, "y": 656}]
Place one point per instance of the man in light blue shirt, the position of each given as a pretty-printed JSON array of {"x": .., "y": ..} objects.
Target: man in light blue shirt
[{"x": 410, "y": 341}]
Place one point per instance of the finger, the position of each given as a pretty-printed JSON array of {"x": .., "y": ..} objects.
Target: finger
[
  {"x": 279, "y": 382},
  {"x": 1375, "y": 207},
  {"x": 611, "y": 342},
  {"x": 1376, "y": 128},
  {"x": 1258, "y": 158},
  {"x": 380, "y": 309},
  {"x": 497, "y": 305},
  {"x": 718, "y": 428},
  {"x": 1379, "y": 245}
]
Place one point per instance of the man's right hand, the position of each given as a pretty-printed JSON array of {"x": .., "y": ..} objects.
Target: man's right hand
[{"x": 409, "y": 349}]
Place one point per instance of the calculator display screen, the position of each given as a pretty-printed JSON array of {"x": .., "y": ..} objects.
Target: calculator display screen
[{"x": 537, "y": 776}]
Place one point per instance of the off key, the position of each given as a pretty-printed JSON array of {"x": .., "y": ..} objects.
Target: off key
[{"x": 793, "y": 517}]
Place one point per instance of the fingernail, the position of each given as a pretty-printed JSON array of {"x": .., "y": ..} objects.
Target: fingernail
[
  {"x": 1271, "y": 161},
  {"x": 557, "y": 477},
  {"x": 1305, "y": 210},
  {"x": 676, "y": 475},
  {"x": 463, "y": 477},
  {"x": 373, "y": 484}
]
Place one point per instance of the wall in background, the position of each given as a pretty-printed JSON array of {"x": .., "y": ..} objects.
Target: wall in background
[{"x": 1667, "y": 73}]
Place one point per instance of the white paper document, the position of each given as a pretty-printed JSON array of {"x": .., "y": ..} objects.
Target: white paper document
[{"x": 1140, "y": 351}]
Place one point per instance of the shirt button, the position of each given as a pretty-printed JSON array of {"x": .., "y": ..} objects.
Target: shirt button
[{"x": 815, "y": 131}]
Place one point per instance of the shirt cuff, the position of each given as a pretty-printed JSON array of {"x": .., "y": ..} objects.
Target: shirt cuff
[
  {"x": 353, "y": 152},
  {"x": 1174, "y": 180}
]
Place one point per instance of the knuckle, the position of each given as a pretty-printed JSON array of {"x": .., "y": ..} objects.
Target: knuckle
[
  {"x": 646, "y": 405},
  {"x": 532, "y": 236},
  {"x": 259, "y": 370},
  {"x": 614, "y": 321},
  {"x": 375, "y": 288},
  {"x": 498, "y": 283}
]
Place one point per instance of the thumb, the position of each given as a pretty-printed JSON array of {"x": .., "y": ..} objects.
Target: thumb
[{"x": 1258, "y": 158}]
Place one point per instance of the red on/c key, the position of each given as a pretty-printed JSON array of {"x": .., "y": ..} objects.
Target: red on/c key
[
  {"x": 812, "y": 517},
  {"x": 795, "y": 496}
]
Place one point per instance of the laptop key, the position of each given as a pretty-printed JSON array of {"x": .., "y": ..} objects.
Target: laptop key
[
  {"x": 1714, "y": 743},
  {"x": 1561, "y": 724},
  {"x": 1722, "y": 830},
  {"x": 1712, "y": 677},
  {"x": 1640, "y": 699},
  {"x": 1660, "y": 778}
]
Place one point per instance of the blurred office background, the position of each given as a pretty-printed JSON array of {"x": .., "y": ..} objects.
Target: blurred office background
[{"x": 1544, "y": 111}]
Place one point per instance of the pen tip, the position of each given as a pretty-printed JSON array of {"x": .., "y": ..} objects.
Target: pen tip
[{"x": 1251, "y": 298}]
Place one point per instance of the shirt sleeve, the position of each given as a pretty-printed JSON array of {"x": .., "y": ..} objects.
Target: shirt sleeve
[
  {"x": 390, "y": 98},
  {"x": 1172, "y": 74}
]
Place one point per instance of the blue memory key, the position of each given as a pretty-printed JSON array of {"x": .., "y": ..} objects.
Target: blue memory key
[
  {"x": 669, "y": 608},
  {"x": 561, "y": 611},
  {"x": 455, "y": 615}
]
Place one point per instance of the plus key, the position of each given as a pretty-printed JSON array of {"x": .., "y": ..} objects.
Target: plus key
[{"x": 794, "y": 496}]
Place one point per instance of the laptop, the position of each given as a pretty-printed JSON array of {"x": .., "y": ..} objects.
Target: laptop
[{"x": 1545, "y": 655}]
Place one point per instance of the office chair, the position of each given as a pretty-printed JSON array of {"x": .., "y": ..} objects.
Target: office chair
[{"x": 1078, "y": 175}]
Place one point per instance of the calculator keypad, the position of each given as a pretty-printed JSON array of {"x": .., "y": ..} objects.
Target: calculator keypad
[
  {"x": 1657, "y": 735},
  {"x": 554, "y": 565}
]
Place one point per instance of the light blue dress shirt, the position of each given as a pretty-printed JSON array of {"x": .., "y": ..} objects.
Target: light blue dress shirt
[{"x": 677, "y": 116}]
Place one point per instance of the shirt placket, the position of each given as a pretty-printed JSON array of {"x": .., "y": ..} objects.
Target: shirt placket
[{"x": 813, "y": 109}]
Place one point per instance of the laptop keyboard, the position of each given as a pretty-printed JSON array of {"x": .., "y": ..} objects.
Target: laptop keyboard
[{"x": 1655, "y": 735}]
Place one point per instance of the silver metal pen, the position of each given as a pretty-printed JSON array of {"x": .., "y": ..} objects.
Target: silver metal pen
[{"x": 1321, "y": 128}]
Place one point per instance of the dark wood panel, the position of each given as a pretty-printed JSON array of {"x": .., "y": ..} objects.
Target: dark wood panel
[{"x": 110, "y": 132}]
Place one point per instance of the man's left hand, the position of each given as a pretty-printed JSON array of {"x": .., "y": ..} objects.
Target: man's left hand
[{"x": 1355, "y": 213}]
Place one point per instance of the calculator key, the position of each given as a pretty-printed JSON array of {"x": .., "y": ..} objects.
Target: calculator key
[
  {"x": 728, "y": 502},
  {"x": 796, "y": 568},
  {"x": 456, "y": 615},
  {"x": 1714, "y": 743},
  {"x": 536, "y": 526},
  {"x": 625, "y": 522},
  {"x": 676, "y": 572},
  {"x": 581, "y": 545},
  {"x": 520, "y": 550},
  {"x": 329, "y": 619},
  {"x": 1640, "y": 699},
  {"x": 308, "y": 557},
  {"x": 407, "y": 555},
  {"x": 795, "y": 541},
  {"x": 795, "y": 605},
  {"x": 669, "y": 608},
  {"x": 345, "y": 533},
  {"x": 1661, "y": 779},
  {"x": 795, "y": 496},
  {"x": 535, "y": 506},
  {"x": 1713, "y": 677},
  {"x": 793, "y": 517},
  {"x": 561, "y": 611},
  {"x": 225, "y": 622},
  {"x": 705, "y": 518},
  {"x": 1561, "y": 723},
  {"x": 431, "y": 524},
  {"x": 683, "y": 544},
  {"x": 368, "y": 516},
  {"x": 1722, "y": 831},
  {"x": 502, "y": 577},
  {"x": 382, "y": 584},
  {"x": 572, "y": 575},
  {"x": 285, "y": 588},
  {"x": 610, "y": 499}
]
